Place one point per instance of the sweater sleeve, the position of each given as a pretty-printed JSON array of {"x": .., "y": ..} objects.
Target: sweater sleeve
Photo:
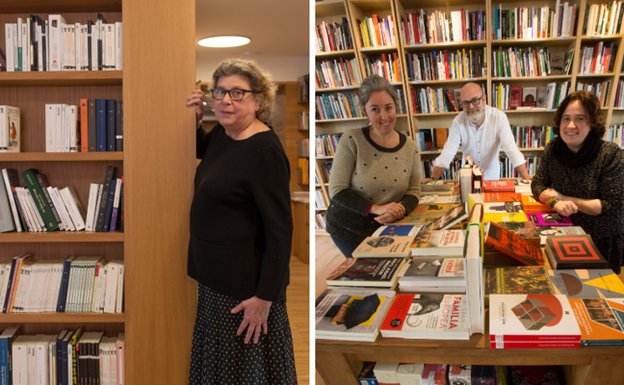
[
  {"x": 203, "y": 139},
  {"x": 612, "y": 182},
  {"x": 542, "y": 180},
  {"x": 271, "y": 192}
]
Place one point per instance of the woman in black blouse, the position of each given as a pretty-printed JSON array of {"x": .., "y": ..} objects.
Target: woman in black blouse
[{"x": 582, "y": 176}]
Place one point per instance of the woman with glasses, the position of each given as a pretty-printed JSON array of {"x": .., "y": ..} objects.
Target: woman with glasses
[
  {"x": 480, "y": 130},
  {"x": 240, "y": 235},
  {"x": 582, "y": 176},
  {"x": 375, "y": 176}
]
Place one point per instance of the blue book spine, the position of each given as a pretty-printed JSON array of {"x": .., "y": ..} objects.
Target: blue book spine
[
  {"x": 60, "y": 307},
  {"x": 59, "y": 360},
  {"x": 111, "y": 123},
  {"x": 114, "y": 215},
  {"x": 100, "y": 124},
  {"x": 109, "y": 206},
  {"x": 64, "y": 374},
  {"x": 4, "y": 361},
  {"x": 119, "y": 126}
]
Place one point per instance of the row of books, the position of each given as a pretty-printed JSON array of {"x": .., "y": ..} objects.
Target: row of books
[
  {"x": 331, "y": 37},
  {"x": 337, "y": 73},
  {"x": 75, "y": 285},
  {"x": 532, "y": 136},
  {"x": 534, "y": 22},
  {"x": 427, "y": 167},
  {"x": 514, "y": 97},
  {"x": 422, "y": 27},
  {"x": 320, "y": 200},
  {"x": 600, "y": 89},
  {"x": 386, "y": 65},
  {"x": 518, "y": 62},
  {"x": 303, "y": 121},
  {"x": 327, "y": 144},
  {"x": 603, "y": 19},
  {"x": 430, "y": 100},
  {"x": 614, "y": 134},
  {"x": 507, "y": 169},
  {"x": 10, "y": 129},
  {"x": 431, "y": 139},
  {"x": 446, "y": 65},
  {"x": 33, "y": 44},
  {"x": 303, "y": 148},
  {"x": 319, "y": 223},
  {"x": 69, "y": 357},
  {"x": 377, "y": 32},
  {"x": 338, "y": 106},
  {"x": 599, "y": 59},
  {"x": 326, "y": 169}
]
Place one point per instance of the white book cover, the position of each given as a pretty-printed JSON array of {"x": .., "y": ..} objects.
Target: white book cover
[
  {"x": 76, "y": 210},
  {"x": 71, "y": 285},
  {"x": 474, "y": 279},
  {"x": 44, "y": 288},
  {"x": 60, "y": 208},
  {"x": 43, "y": 364},
  {"x": 53, "y": 301},
  {"x": 10, "y": 49},
  {"x": 13, "y": 125},
  {"x": 55, "y": 36},
  {"x": 109, "y": 46},
  {"x": 39, "y": 49},
  {"x": 12, "y": 203},
  {"x": 97, "y": 206},
  {"x": 95, "y": 36},
  {"x": 25, "y": 43},
  {"x": 20, "y": 360},
  {"x": 111, "y": 287},
  {"x": 52, "y": 359},
  {"x": 21, "y": 286},
  {"x": 84, "y": 48},
  {"x": 18, "y": 34},
  {"x": 77, "y": 46},
  {"x": 71, "y": 127},
  {"x": 99, "y": 285},
  {"x": 4, "y": 129},
  {"x": 25, "y": 204},
  {"x": 120, "y": 288},
  {"x": 93, "y": 197},
  {"x": 4, "y": 273},
  {"x": 37, "y": 278},
  {"x": 50, "y": 127},
  {"x": 69, "y": 42},
  {"x": 32, "y": 209},
  {"x": 60, "y": 121},
  {"x": 119, "y": 45}
]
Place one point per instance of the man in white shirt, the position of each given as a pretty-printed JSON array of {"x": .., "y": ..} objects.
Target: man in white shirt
[{"x": 481, "y": 130}]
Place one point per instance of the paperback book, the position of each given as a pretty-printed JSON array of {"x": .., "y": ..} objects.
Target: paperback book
[
  {"x": 509, "y": 243},
  {"x": 587, "y": 283},
  {"x": 431, "y": 274},
  {"x": 351, "y": 314},
  {"x": 367, "y": 272},
  {"x": 574, "y": 252},
  {"x": 550, "y": 219},
  {"x": 532, "y": 319},
  {"x": 498, "y": 186},
  {"x": 438, "y": 242},
  {"x": 537, "y": 235},
  {"x": 397, "y": 230},
  {"x": 532, "y": 205},
  {"x": 517, "y": 280},
  {"x": 601, "y": 320},
  {"x": 427, "y": 316},
  {"x": 448, "y": 220},
  {"x": 384, "y": 247},
  {"x": 500, "y": 197}
]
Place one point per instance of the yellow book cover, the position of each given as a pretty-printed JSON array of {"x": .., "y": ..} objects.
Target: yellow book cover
[
  {"x": 18, "y": 267},
  {"x": 74, "y": 341},
  {"x": 505, "y": 217}
]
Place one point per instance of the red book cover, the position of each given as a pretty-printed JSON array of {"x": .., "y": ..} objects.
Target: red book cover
[
  {"x": 84, "y": 125},
  {"x": 446, "y": 65},
  {"x": 498, "y": 186},
  {"x": 514, "y": 246},
  {"x": 515, "y": 98},
  {"x": 415, "y": 28},
  {"x": 377, "y": 34},
  {"x": 406, "y": 29},
  {"x": 574, "y": 252},
  {"x": 450, "y": 96}
]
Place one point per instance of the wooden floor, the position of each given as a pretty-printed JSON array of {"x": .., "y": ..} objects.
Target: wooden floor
[{"x": 297, "y": 303}]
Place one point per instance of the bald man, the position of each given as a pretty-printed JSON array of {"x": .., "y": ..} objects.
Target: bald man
[{"x": 481, "y": 130}]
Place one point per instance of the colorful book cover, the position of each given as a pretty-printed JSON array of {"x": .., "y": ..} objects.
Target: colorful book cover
[
  {"x": 574, "y": 252},
  {"x": 428, "y": 316},
  {"x": 351, "y": 314},
  {"x": 550, "y": 219},
  {"x": 587, "y": 283},
  {"x": 455, "y": 216},
  {"x": 427, "y": 199},
  {"x": 532, "y": 205},
  {"x": 366, "y": 272},
  {"x": 435, "y": 271},
  {"x": 532, "y": 318},
  {"x": 438, "y": 242},
  {"x": 500, "y": 197},
  {"x": 384, "y": 247},
  {"x": 509, "y": 243},
  {"x": 601, "y": 320},
  {"x": 505, "y": 217},
  {"x": 397, "y": 230},
  {"x": 517, "y": 280},
  {"x": 510, "y": 208},
  {"x": 537, "y": 235},
  {"x": 498, "y": 186}
]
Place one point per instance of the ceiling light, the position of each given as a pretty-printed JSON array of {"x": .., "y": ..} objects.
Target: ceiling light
[{"x": 224, "y": 41}]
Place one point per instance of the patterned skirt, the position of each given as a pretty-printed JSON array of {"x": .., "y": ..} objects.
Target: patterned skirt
[{"x": 219, "y": 356}]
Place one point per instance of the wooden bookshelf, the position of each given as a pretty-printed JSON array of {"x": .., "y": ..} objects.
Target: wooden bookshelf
[{"x": 159, "y": 298}]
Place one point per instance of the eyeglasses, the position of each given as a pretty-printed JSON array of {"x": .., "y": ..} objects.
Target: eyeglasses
[
  {"x": 235, "y": 94},
  {"x": 475, "y": 102}
]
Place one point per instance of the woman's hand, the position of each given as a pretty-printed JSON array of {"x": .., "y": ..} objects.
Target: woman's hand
[
  {"x": 386, "y": 218},
  {"x": 547, "y": 194},
  {"x": 565, "y": 207},
  {"x": 395, "y": 209},
  {"x": 255, "y": 317},
  {"x": 197, "y": 100}
]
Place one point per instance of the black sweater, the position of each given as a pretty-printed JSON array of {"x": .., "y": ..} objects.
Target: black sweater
[{"x": 241, "y": 221}]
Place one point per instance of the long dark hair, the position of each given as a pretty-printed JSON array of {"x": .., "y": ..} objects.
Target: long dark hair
[{"x": 592, "y": 108}]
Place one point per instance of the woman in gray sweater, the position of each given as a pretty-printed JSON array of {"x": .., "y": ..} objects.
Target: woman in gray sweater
[{"x": 375, "y": 176}]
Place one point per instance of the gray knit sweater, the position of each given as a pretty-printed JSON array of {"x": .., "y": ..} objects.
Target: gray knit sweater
[{"x": 364, "y": 172}]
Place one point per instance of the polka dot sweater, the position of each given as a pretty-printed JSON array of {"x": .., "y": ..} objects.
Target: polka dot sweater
[{"x": 364, "y": 172}]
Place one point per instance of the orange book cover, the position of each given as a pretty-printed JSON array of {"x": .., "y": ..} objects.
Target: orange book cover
[
  {"x": 396, "y": 67},
  {"x": 532, "y": 205},
  {"x": 377, "y": 33},
  {"x": 503, "y": 196},
  {"x": 441, "y": 136},
  {"x": 84, "y": 125},
  {"x": 601, "y": 320},
  {"x": 498, "y": 186},
  {"x": 511, "y": 244}
]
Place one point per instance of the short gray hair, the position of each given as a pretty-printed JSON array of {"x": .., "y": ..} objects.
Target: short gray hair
[
  {"x": 259, "y": 81},
  {"x": 376, "y": 83}
]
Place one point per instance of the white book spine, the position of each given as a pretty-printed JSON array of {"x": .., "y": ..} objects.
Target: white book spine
[
  {"x": 109, "y": 47},
  {"x": 111, "y": 287},
  {"x": 50, "y": 127},
  {"x": 84, "y": 49},
  {"x": 57, "y": 287},
  {"x": 101, "y": 288},
  {"x": 93, "y": 197},
  {"x": 9, "y": 35},
  {"x": 4, "y": 273},
  {"x": 64, "y": 128},
  {"x": 72, "y": 128},
  {"x": 39, "y": 49},
  {"x": 58, "y": 127},
  {"x": 77, "y": 45},
  {"x": 4, "y": 129},
  {"x": 120, "y": 289},
  {"x": 95, "y": 35},
  {"x": 20, "y": 361},
  {"x": 76, "y": 208},
  {"x": 25, "y": 45},
  {"x": 28, "y": 203},
  {"x": 55, "y": 51},
  {"x": 62, "y": 209},
  {"x": 119, "y": 45}
]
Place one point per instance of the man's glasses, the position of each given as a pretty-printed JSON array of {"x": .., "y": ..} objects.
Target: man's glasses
[
  {"x": 475, "y": 102},
  {"x": 235, "y": 94}
]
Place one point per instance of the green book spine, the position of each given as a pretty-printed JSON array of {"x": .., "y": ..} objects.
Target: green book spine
[{"x": 40, "y": 201}]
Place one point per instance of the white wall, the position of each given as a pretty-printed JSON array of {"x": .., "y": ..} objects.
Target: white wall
[{"x": 283, "y": 69}]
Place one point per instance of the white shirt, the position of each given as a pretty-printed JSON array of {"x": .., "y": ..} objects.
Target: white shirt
[{"x": 482, "y": 144}]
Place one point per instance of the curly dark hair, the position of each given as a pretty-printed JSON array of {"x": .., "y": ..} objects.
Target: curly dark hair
[{"x": 592, "y": 108}]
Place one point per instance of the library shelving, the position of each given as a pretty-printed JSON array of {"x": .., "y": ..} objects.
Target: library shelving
[{"x": 159, "y": 298}]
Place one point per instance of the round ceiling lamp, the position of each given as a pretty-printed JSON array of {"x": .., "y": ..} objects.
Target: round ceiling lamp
[{"x": 224, "y": 41}]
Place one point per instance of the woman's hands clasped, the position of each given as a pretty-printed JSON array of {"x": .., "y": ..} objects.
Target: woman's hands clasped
[
  {"x": 196, "y": 99},
  {"x": 563, "y": 207},
  {"x": 388, "y": 213},
  {"x": 256, "y": 314}
]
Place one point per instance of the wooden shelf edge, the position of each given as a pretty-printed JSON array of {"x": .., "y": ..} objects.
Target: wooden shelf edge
[
  {"x": 60, "y": 78},
  {"x": 60, "y": 156},
  {"x": 62, "y": 318},
  {"x": 60, "y": 236}
]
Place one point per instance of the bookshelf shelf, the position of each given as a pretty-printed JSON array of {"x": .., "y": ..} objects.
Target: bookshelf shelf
[
  {"x": 459, "y": 45},
  {"x": 61, "y": 78},
  {"x": 60, "y": 156},
  {"x": 334, "y": 54},
  {"x": 446, "y": 81},
  {"x": 63, "y": 6},
  {"x": 78, "y": 318},
  {"x": 533, "y": 42},
  {"x": 60, "y": 237},
  {"x": 375, "y": 50},
  {"x": 340, "y": 120},
  {"x": 591, "y": 39},
  {"x": 338, "y": 89},
  {"x": 532, "y": 78}
]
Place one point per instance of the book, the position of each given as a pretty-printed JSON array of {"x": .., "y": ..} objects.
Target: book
[
  {"x": 427, "y": 199},
  {"x": 100, "y": 125},
  {"x": 600, "y": 319},
  {"x": 506, "y": 196},
  {"x": 6, "y": 215},
  {"x": 537, "y": 235},
  {"x": 542, "y": 97},
  {"x": 427, "y": 316},
  {"x": 397, "y": 230},
  {"x": 574, "y": 252},
  {"x": 532, "y": 205},
  {"x": 7, "y": 338},
  {"x": 41, "y": 203},
  {"x": 498, "y": 186},
  {"x": 509, "y": 243},
  {"x": 366, "y": 272},
  {"x": 515, "y": 97},
  {"x": 438, "y": 242},
  {"x": 448, "y": 220},
  {"x": 433, "y": 274},
  {"x": 532, "y": 318},
  {"x": 108, "y": 179},
  {"x": 550, "y": 219},
  {"x": 384, "y": 247},
  {"x": 557, "y": 61},
  {"x": 587, "y": 283},
  {"x": 473, "y": 255},
  {"x": 529, "y": 96},
  {"x": 517, "y": 280},
  {"x": 10, "y": 129},
  {"x": 351, "y": 314}
]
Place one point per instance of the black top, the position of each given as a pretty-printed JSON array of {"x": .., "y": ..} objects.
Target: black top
[{"x": 241, "y": 219}]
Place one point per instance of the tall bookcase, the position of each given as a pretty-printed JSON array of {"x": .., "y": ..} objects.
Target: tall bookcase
[{"x": 158, "y": 74}]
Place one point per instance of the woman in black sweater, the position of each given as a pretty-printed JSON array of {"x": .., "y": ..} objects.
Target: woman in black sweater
[
  {"x": 582, "y": 176},
  {"x": 241, "y": 230}
]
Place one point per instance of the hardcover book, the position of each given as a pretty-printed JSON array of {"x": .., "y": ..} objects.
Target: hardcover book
[
  {"x": 377, "y": 272},
  {"x": 351, "y": 314},
  {"x": 532, "y": 318},
  {"x": 384, "y": 247},
  {"x": 438, "y": 242},
  {"x": 529, "y": 96},
  {"x": 550, "y": 219},
  {"x": 427, "y": 316},
  {"x": 601, "y": 320},
  {"x": 587, "y": 283},
  {"x": 574, "y": 252},
  {"x": 509, "y": 243}
]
